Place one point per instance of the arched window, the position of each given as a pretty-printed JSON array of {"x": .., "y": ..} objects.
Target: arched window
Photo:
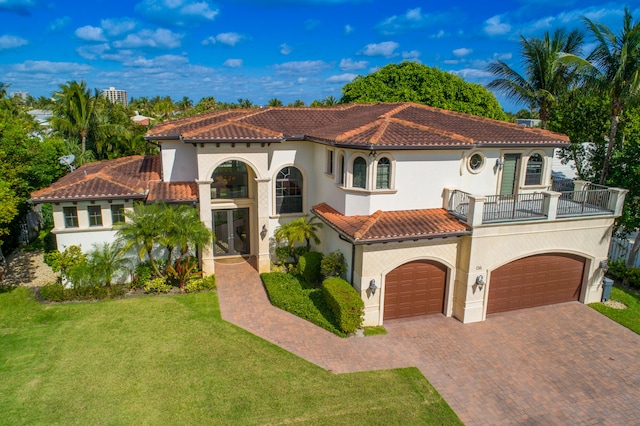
[
  {"x": 383, "y": 173},
  {"x": 359, "y": 173},
  {"x": 230, "y": 180},
  {"x": 289, "y": 191},
  {"x": 534, "y": 170}
]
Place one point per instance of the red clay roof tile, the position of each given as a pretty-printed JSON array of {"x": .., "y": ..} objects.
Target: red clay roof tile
[
  {"x": 393, "y": 225},
  {"x": 173, "y": 192}
]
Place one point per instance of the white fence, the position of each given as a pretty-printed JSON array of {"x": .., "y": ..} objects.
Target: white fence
[{"x": 620, "y": 248}]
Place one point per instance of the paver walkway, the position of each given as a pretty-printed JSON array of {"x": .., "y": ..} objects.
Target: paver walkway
[{"x": 560, "y": 364}]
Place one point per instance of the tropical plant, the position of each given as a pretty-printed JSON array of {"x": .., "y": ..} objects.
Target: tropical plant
[
  {"x": 548, "y": 73},
  {"x": 75, "y": 110},
  {"x": 303, "y": 229},
  {"x": 142, "y": 230},
  {"x": 66, "y": 261},
  {"x": 183, "y": 230},
  {"x": 106, "y": 260},
  {"x": 615, "y": 72},
  {"x": 183, "y": 271},
  {"x": 274, "y": 102}
]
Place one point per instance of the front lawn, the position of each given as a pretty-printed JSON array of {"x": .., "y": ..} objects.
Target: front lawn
[
  {"x": 172, "y": 360},
  {"x": 629, "y": 317}
]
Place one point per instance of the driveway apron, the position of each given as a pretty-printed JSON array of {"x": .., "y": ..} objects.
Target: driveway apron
[{"x": 559, "y": 364}]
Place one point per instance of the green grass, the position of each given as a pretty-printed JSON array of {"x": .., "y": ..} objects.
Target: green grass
[
  {"x": 374, "y": 331},
  {"x": 292, "y": 294},
  {"x": 629, "y": 317},
  {"x": 172, "y": 360}
]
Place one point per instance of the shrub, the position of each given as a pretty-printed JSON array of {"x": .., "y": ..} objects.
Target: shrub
[
  {"x": 309, "y": 266},
  {"x": 345, "y": 302},
  {"x": 54, "y": 292},
  {"x": 157, "y": 285},
  {"x": 618, "y": 270},
  {"x": 141, "y": 275},
  {"x": 201, "y": 284},
  {"x": 333, "y": 265}
]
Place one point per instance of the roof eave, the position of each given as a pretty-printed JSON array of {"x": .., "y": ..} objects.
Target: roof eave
[{"x": 93, "y": 198}]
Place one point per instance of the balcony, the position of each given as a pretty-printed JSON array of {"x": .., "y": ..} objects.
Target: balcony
[{"x": 585, "y": 199}]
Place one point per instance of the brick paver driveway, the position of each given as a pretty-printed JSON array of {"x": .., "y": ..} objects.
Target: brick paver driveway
[{"x": 560, "y": 364}]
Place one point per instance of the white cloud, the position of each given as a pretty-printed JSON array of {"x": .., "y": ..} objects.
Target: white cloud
[
  {"x": 348, "y": 64},
  {"x": 342, "y": 78},
  {"x": 160, "y": 38},
  {"x": 92, "y": 51},
  {"x": 48, "y": 67},
  {"x": 59, "y": 23},
  {"x": 11, "y": 42},
  {"x": 301, "y": 67},
  {"x": 177, "y": 12},
  {"x": 463, "y": 51},
  {"x": 90, "y": 33},
  {"x": 412, "y": 54},
  {"x": 116, "y": 27},
  {"x": 233, "y": 63},
  {"x": 348, "y": 29},
  {"x": 503, "y": 56},
  {"x": 472, "y": 73},
  {"x": 439, "y": 34},
  {"x": 386, "y": 49},
  {"x": 413, "y": 19},
  {"x": 495, "y": 26},
  {"x": 230, "y": 39},
  {"x": 569, "y": 17},
  {"x": 158, "y": 62},
  {"x": 285, "y": 49}
]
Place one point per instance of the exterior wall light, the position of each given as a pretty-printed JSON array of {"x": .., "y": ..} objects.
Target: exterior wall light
[
  {"x": 604, "y": 265},
  {"x": 480, "y": 281},
  {"x": 264, "y": 229},
  {"x": 499, "y": 163},
  {"x": 373, "y": 287}
]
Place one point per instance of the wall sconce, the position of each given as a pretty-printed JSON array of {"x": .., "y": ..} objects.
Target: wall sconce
[
  {"x": 604, "y": 265},
  {"x": 264, "y": 229},
  {"x": 480, "y": 281},
  {"x": 373, "y": 287},
  {"x": 499, "y": 163}
]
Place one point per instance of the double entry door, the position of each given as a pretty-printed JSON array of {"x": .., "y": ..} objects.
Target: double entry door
[{"x": 231, "y": 228}]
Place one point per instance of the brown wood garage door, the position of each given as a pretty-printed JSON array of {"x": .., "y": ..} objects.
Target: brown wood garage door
[
  {"x": 415, "y": 288},
  {"x": 535, "y": 281}
]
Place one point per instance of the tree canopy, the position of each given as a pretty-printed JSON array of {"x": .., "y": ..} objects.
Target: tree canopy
[{"x": 413, "y": 82}]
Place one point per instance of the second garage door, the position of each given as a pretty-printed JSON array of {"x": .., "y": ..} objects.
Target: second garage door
[
  {"x": 535, "y": 281},
  {"x": 415, "y": 288}
]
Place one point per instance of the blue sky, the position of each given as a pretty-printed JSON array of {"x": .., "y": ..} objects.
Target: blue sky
[{"x": 261, "y": 49}]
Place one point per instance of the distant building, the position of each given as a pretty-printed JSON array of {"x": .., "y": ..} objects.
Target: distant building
[
  {"x": 528, "y": 122},
  {"x": 19, "y": 94},
  {"x": 115, "y": 95}
]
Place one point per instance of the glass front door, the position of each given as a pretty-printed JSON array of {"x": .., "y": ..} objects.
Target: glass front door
[{"x": 232, "y": 232}]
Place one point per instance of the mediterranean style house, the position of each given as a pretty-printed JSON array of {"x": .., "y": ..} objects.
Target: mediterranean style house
[{"x": 435, "y": 211}]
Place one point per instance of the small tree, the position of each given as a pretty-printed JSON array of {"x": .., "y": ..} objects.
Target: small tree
[
  {"x": 142, "y": 229},
  {"x": 105, "y": 261},
  {"x": 298, "y": 231}
]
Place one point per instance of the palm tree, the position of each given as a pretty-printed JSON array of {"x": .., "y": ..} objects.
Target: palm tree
[
  {"x": 547, "y": 74},
  {"x": 300, "y": 230},
  {"x": 274, "y": 102},
  {"x": 75, "y": 110},
  {"x": 142, "y": 230},
  {"x": 615, "y": 71},
  {"x": 3, "y": 89},
  {"x": 106, "y": 260},
  {"x": 183, "y": 230}
]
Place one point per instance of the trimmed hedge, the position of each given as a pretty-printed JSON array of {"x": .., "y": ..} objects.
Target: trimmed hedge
[
  {"x": 58, "y": 293},
  {"x": 309, "y": 266},
  {"x": 345, "y": 302},
  {"x": 618, "y": 270},
  {"x": 287, "y": 293},
  {"x": 201, "y": 284}
]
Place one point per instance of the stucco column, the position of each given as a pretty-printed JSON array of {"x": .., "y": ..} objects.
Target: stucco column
[
  {"x": 476, "y": 207},
  {"x": 264, "y": 211},
  {"x": 550, "y": 204},
  {"x": 616, "y": 202},
  {"x": 204, "y": 195}
]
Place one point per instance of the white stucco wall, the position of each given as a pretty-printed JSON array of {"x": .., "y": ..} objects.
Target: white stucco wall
[{"x": 178, "y": 161}]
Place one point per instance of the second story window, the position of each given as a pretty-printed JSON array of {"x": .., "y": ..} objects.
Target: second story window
[
  {"x": 70, "y": 217},
  {"x": 383, "y": 173},
  {"x": 330, "y": 162},
  {"x": 117, "y": 213},
  {"x": 360, "y": 173},
  {"x": 95, "y": 215},
  {"x": 534, "y": 170},
  {"x": 341, "y": 170}
]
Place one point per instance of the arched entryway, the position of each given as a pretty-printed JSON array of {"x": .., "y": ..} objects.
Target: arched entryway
[
  {"x": 233, "y": 208},
  {"x": 543, "y": 279},
  {"x": 415, "y": 288}
]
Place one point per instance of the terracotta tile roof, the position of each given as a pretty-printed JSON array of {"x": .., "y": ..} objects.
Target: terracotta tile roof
[
  {"x": 393, "y": 225},
  {"x": 126, "y": 177},
  {"x": 173, "y": 192},
  {"x": 392, "y": 125}
]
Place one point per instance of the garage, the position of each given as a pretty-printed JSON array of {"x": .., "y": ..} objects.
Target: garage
[
  {"x": 415, "y": 288},
  {"x": 537, "y": 280}
]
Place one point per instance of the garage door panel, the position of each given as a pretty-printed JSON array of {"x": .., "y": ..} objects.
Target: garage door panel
[
  {"x": 415, "y": 288},
  {"x": 536, "y": 281}
]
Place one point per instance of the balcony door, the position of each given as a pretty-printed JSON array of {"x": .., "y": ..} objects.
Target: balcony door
[
  {"x": 510, "y": 168},
  {"x": 231, "y": 228}
]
